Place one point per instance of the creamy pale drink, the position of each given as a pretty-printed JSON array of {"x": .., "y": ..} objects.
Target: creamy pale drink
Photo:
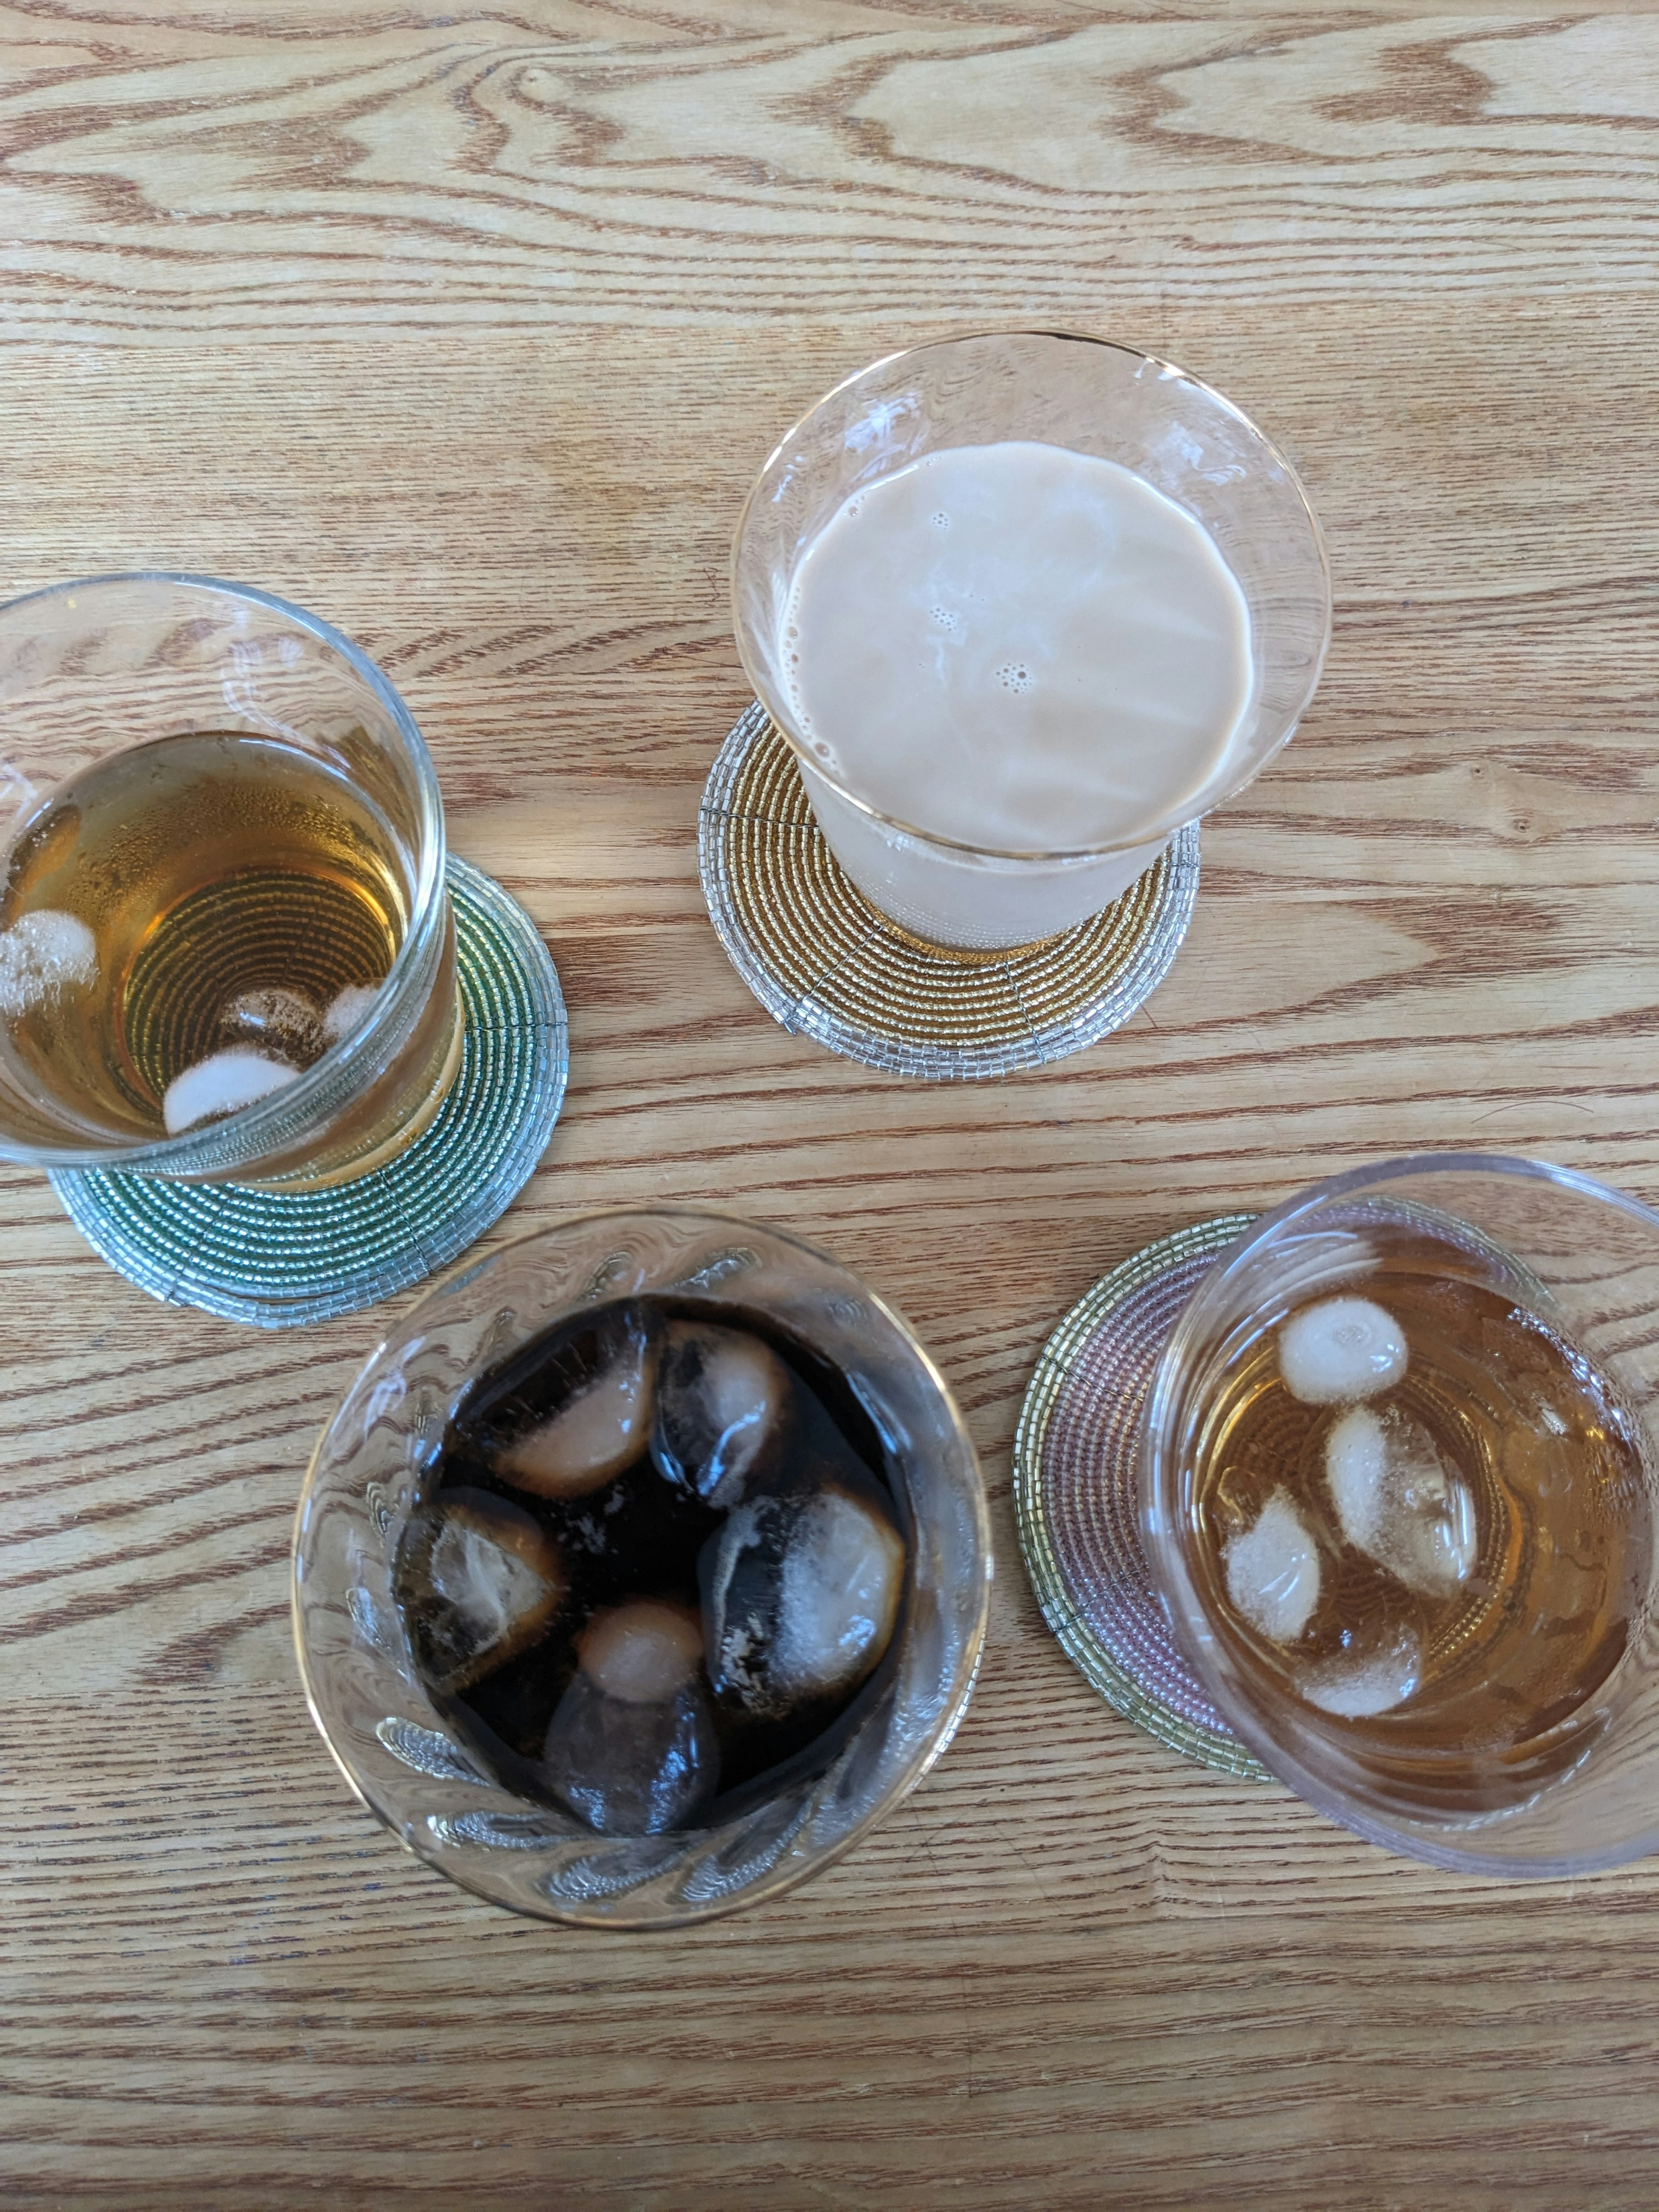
[{"x": 1017, "y": 648}]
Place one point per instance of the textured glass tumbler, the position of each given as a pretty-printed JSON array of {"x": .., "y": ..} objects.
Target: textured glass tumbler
[
  {"x": 1583, "y": 1259},
  {"x": 90, "y": 672},
  {"x": 1095, "y": 397},
  {"x": 366, "y": 1479}
]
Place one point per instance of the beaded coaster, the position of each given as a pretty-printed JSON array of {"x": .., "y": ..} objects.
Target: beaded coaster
[
  {"x": 280, "y": 1258},
  {"x": 1076, "y": 1494},
  {"x": 824, "y": 962}
]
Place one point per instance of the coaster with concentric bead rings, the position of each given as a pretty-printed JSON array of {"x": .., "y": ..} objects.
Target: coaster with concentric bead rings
[
  {"x": 824, "y": 962},
  {"x": 280, "y": 1258},
  {"x": 1077, "y": 1493}
]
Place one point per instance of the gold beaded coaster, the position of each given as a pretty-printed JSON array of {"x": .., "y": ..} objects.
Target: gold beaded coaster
[
  {"x": 824, "y": 962},
  {"x": 1076, "y": 1494}
]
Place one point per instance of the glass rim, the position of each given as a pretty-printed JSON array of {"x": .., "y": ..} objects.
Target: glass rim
[
  {"x": 427, "y": 906},
  {"x": 1417, "y": 1837},
  {"x": 1208, "y": 1290},
  {"x": 1165, "y": 826},
  {"x": 964, "y": 1676}
]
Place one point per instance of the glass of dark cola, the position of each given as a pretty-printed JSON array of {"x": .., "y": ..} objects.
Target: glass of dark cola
[{"x": 644, "y": 1566}]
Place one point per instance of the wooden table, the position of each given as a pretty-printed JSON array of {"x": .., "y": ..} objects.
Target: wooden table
[{"x": 468, "y": 331}]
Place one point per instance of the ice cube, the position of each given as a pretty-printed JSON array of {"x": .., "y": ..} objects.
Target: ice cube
[
  {"x": 477, "y": 1580},
  {"x": 642, "y": 1652},
  {"x": 722, "y": 1403},
  {"x": 222, "y": 1084},
  {"x": 800, "y": 1595},
  {"x": 1340, "y": 1350},
  {"x": 282, "y": 1023},
  {"x": 43, "y": 955},
  {"x": 1273, "y": 1571},
  {"x": 1398, "y": 1501},
  {"x": 631, "y": 1746},
  {"x": 346, "y": 1009},
  {"x": 1356, "y": 1687},
  {"x": 598, "y": 1430}
]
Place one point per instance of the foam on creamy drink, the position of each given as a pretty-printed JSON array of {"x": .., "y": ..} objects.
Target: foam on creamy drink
[
  {"x": 1019, "y": 647},
  {"x": 1421, "y": 1511},
  {"x": 657, "y": 1568},
  {"x": 190, "y": 925}
]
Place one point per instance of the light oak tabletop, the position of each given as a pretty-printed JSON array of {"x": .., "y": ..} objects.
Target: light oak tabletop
[{"x": 468, "y": 330}]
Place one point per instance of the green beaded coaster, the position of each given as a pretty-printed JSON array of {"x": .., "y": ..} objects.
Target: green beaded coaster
[
  {"x": 281, "y": 1258},
  {"x": 1076, "y": 1494}
]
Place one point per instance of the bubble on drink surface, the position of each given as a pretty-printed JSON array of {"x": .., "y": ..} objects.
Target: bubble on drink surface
[
  {"x": 601, "y": 1428},
  {"x": 1014, "y": 675},
  {"x": 1397, "y": 1501},
  {"x": 477, "y": 1580},
  {"x": 800, "y": 1595},
  {"x": 1273, "y": 1571},
  {"x": 223, "y": 1084},
  {"x": 631, "y": 1746},
  {"x": 939, "y": 518},
  {"x": 1340, "y": 1350},
  {"x": 42, "y": 955},
  {"x": 945, "y": 619},
  {"x": 346, "y": 1009},
  {"x": 723, "y": 1402},
  {"x": 274, "y": 1019},
  {"x": 1361, "y": 1685}
]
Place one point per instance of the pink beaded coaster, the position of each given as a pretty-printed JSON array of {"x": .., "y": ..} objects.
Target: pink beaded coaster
[{"x": 1076, "y": 1494}]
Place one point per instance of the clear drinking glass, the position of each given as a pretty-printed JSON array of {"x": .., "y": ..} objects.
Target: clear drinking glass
[
  {"x": 395, "y": 1748},
  {"x": 1576, "y": 1789},
  {"x": 89, "y": 672},
  {"x": 1094, "y": 396}
]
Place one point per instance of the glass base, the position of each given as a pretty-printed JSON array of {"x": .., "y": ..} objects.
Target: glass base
[
  {"x": 825, "y": 963},
  {"x": 1076, "y": 1494},
  {"x": 281, "y": 1258}
]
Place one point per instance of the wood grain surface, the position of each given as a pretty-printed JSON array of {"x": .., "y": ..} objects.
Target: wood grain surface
[{"x": 468, "y": 330}]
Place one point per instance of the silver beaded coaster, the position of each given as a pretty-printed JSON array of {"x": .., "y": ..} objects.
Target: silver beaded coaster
[
  {"x": 825, "y": 963},
  {"x": 281, "y": 1258},
  {"x": 1076, "y": 1494}
]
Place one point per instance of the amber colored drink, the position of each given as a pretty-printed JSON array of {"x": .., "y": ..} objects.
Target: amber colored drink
[
  {"x": 191, "y": 924},
  {"x": 1421, "y": 1511}
]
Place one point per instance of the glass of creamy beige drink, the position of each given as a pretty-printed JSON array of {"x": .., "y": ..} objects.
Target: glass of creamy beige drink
[{"x": 1024, "y": 603}]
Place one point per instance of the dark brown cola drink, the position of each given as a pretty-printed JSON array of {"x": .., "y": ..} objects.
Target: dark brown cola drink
[{"x": 658, "y": 1567}]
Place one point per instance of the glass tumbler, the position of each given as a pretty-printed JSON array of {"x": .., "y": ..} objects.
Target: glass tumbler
[
  {"x": 1530, "y": 1255},
  {"x": 1095, "y": 397},
  {"x": 395, "y": 1747},
  {"x": 95, "y": 678}
]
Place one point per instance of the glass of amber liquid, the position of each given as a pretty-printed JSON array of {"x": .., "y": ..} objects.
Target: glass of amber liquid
[
  {"x": 226, "y": 948},
  {"x": 1398, "y": 1493}
]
